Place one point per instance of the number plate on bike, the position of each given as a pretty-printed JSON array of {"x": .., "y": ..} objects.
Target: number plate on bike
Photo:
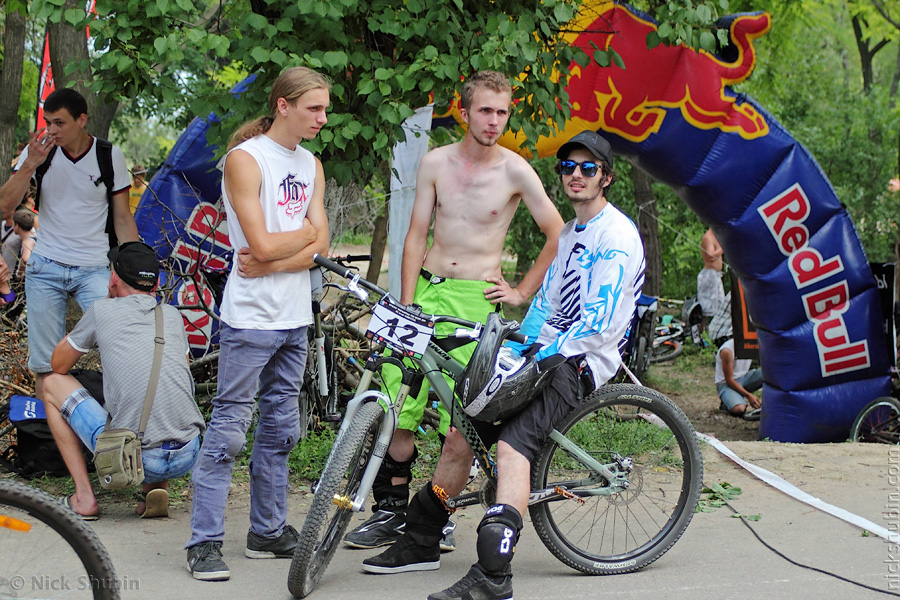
[{"x": 402, "y": 330}]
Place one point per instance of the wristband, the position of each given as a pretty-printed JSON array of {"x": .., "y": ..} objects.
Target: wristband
[{"x": 8, "y": 298}]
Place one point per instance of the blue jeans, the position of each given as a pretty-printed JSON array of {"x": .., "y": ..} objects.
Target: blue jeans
[
  {"x": 88, "y": 419},
  {"x": 273, "y": 362},
  {"x": 48, "y": 285},
  {"x": 751, "y": 382}
]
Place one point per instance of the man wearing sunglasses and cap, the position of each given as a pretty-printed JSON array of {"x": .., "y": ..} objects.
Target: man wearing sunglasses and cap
[
  {"x": 123, "y": 328},
  {"x": 580, "y": 313}
]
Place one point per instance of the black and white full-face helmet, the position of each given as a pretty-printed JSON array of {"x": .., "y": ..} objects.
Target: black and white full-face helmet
[{"x": 497, "y": 383}]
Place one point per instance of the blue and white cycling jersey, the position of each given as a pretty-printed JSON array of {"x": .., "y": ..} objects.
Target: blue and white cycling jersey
[{"x": 587, "y": 298}]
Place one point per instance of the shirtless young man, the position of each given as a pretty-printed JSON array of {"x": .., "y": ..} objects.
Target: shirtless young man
[
  {"x": 472, "y": 189},
  {"x": 710, "y": 292}
]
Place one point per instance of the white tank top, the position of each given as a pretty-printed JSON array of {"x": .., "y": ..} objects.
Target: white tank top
[{"x": 277, "y": 300}]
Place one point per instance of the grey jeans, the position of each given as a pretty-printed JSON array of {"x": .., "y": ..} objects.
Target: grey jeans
[{"x": 249, "y": 359}]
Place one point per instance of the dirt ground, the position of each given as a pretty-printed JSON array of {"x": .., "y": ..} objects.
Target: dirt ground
[{"x": 688, "y": 381}]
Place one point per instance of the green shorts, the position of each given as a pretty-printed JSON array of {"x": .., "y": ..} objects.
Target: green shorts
[{"x": 459, "y": 297}]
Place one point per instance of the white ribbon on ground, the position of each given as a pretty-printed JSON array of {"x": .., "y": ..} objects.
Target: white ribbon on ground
[{"x": 793, "y": 491}]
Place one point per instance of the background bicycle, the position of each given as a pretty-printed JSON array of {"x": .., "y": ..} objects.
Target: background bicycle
[{"x": 879, "y": 421}]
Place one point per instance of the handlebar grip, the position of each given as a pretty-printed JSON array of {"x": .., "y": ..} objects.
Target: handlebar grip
[
  {"x": 331, "y": 265},
  {"x": 357, "y": 257},
  {"x": 518, "y": 337}
]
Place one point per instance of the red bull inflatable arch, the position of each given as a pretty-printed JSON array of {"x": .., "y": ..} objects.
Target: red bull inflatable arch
[
  {"x": 806, "y": 279},
  {"x": 807, "y": 282}
]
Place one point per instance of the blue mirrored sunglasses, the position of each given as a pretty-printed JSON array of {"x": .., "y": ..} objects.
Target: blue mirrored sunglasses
[{"x": 588, "y": 169}]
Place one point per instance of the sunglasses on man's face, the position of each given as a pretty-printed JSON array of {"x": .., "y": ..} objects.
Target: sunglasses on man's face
[{"x": 588, "y": 168}]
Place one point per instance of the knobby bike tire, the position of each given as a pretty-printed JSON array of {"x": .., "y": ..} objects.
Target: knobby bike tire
[
  {"x": 667, "y": 350},
  {"x": 326, "y": 522},
  {"x": 48, "y": 550},
  {"x": 628, "y": 530},
  {"x": 878, "y": 422}
]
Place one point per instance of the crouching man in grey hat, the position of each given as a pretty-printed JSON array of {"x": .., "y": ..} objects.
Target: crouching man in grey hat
[{"x": 123, "y": 328}]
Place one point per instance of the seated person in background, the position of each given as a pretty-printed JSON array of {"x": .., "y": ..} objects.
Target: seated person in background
[
  {"x": 736, "y": 382},
  {"x": 123, "y": 328},
  {"x": 23, "y": 226},
  {"x": 7, "y": 296}
]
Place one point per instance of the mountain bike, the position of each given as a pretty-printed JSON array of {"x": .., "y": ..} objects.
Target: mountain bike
[
  {"x": 668, "y": 340},
  {"x": 336, "y": 345},
  {"x": 46, "y": 550},
  {"x": 613, "y": 488}
]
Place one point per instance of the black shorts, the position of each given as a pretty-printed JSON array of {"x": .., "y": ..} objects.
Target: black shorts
[{"x": 527, "y": 431}]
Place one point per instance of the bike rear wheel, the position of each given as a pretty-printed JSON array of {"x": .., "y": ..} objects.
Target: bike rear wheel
[
  {"x": 46, "y": 550},
  {"x": 630, "y": 529},
  {"x": 329, "y": 514},
  {"x": 666, "y": 350},
  {"x": 878, "y": 422}
]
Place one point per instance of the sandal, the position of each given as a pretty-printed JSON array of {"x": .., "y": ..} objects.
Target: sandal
[
  {"x": 68, "y": 504},
  {"x": 156, "y": 504}
]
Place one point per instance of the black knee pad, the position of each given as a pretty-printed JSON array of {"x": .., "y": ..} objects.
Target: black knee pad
[
  {"x": 498, "y": 533},
  {"x": 387, "y": 495}
]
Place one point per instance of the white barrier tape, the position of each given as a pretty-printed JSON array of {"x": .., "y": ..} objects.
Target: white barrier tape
[{"x": 783, "y": 486}]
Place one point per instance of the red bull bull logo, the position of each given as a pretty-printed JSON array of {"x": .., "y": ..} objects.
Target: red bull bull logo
[{"x": 634, "y": 102}]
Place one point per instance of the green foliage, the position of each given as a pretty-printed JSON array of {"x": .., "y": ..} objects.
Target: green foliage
[
  {"x": 308, "y": 457},
  {"x": 689, "y": 22},
  {"x": 717, "y": 496},
  {"x": 385, "y": 59}
]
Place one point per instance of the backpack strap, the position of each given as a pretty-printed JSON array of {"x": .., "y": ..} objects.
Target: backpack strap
[
  {"x": 107, "y": 176},
  {"x": 39, "y": 175}
]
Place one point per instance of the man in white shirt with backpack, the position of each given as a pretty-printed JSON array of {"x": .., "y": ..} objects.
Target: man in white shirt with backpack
[{"x": 79, "y": 208}]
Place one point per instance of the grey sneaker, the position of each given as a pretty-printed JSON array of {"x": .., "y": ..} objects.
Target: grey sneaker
[
  {"x": 382, "y": 528},
  {"x": 205, "y": 563},
  {"x": 281, "y": 547},
  {"x": 404, "y": 556},
  {"x": 477, "y": 585},
  {"x": 448, "y": 542}
]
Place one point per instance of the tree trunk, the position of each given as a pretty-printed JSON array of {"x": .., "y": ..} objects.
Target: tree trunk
[
  {"x": 648, "y": 226},
  {"x": 68, "y": 51},
  {"x": 866, "y": 52},
  {"x": 11, "y": 84},
  {"x": 895, "y": 80},
  {"x": 379, "y": 241}
]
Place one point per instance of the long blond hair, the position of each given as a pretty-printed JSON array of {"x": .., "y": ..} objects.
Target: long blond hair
[{"x": 290, "y": 85}]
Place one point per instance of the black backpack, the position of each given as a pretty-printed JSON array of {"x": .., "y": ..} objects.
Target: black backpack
[
  {"x": 35, "y": 453},
  {"x": 107, "y": 177}
]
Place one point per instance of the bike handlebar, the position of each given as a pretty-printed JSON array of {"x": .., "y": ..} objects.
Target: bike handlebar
[{"x": 348, "y": 273}]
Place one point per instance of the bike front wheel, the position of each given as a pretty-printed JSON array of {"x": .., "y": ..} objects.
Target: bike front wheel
[
  {"x": 637, "y": 431},
  {"x": 330, "y": 511},
  {"x": 46, "y": 550},
  {"x": 878, "y": 422}
]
